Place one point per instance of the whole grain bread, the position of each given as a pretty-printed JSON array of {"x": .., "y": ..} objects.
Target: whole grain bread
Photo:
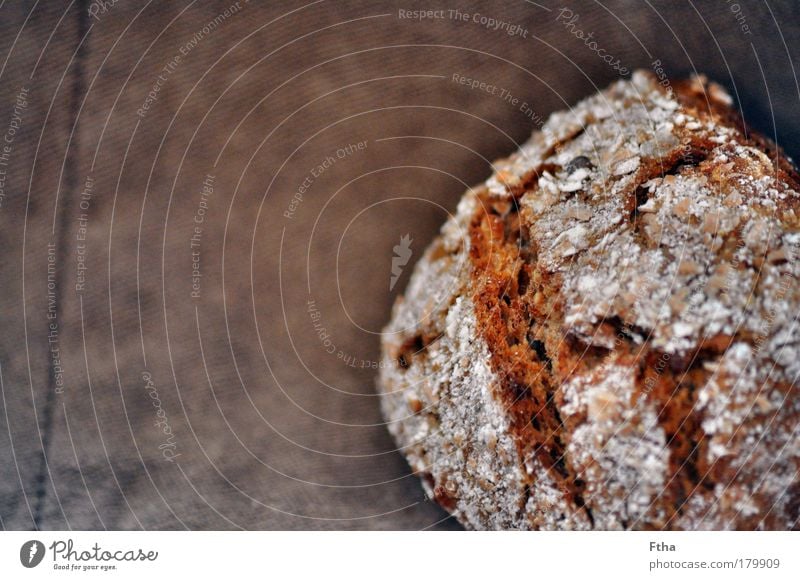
[{"x": 605, "y": 335}]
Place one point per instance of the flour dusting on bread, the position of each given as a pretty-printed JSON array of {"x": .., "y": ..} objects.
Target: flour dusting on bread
[{"x": 605, "y": 335}]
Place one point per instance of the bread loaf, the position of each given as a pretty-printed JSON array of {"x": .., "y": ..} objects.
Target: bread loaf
[{"x": 605, "y": 336}]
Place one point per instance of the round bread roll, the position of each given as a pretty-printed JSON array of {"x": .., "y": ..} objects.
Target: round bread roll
[{"x": 605, "y": 335}]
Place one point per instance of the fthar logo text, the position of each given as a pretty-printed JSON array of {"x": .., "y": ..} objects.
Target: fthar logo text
[
  {"x": 31, "y": 553},
  {"x": 402, "y": 254}
]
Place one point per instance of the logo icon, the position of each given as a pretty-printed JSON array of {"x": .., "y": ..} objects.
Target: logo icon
[
  {"x": 31, "y": 553},
  {"x": 402, "y": 254}
]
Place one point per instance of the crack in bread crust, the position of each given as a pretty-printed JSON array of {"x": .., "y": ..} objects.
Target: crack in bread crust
[{"x": 510, "y": 295}]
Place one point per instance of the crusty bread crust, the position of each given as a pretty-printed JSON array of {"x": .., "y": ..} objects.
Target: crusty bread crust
[{"x": 605, "y": 335}]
